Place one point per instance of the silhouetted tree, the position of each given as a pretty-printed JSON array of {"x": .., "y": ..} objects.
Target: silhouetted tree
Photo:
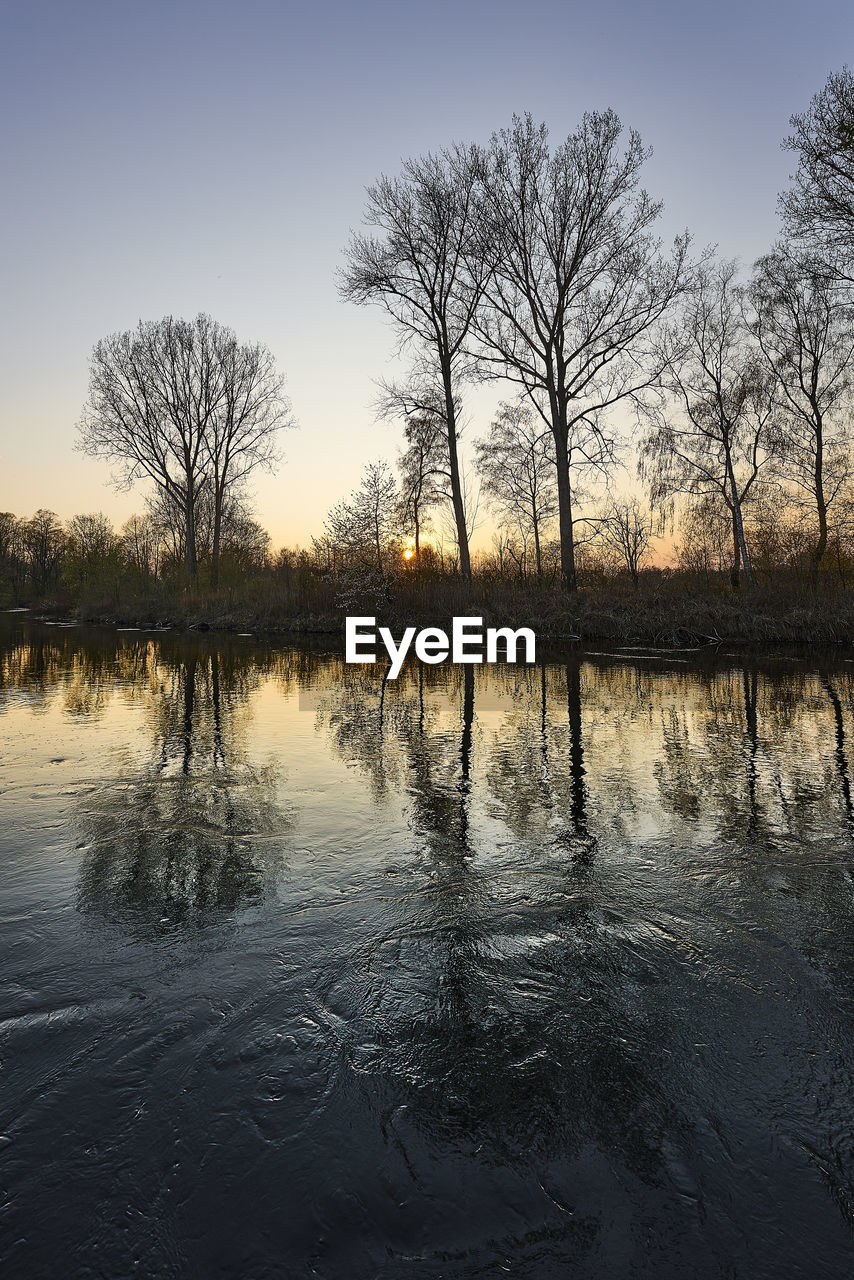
[
  {"x": 181, "y": 403},
  {"x": 805, "y": 329},
  {"x": 708, "y": 425},
  {"x": 628, "y": 529},
  {"x": 141, "y": 542},
  {"x": 44, "y": 544},
  {"x": 516, "y": 465},
  {"x": 575, "y": 282},
  {"x": 364, "y": 527},
  {"x": 418, "y": 267},
  {"x": 819, "y": 206},
  {"x": 92, "y": 546}
]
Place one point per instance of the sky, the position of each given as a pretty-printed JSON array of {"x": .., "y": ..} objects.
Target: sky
[{"x": 170, "y": 158}]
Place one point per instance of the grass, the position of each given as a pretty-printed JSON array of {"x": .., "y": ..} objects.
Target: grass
[{"x": 665, "y": 610}]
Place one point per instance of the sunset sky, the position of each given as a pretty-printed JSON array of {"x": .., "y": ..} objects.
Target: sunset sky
[{"x": 182, "y": 157}]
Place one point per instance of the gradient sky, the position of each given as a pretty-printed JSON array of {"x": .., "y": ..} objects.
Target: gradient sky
[{"x": 182, "y": 157}]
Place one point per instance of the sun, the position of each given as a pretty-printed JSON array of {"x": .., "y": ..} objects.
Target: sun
[{"x": 408, "y": 553}]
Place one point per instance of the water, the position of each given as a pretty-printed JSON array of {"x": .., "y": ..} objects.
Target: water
[{"x": 543, "y": 972}]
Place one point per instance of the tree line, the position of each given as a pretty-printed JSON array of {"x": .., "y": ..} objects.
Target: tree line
[{"x": 539, "y": 267}]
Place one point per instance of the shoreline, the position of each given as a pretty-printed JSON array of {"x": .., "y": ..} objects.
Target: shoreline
[{"x": 666, "y": 620}]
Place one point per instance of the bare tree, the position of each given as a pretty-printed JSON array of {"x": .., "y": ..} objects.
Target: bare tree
[
  {"x": 516, "y": 465},
  {"x": 628, "y": 529},
  {"x": 141, "y": 544},
  {"x": 182, "y": 404},
  {"x": 818, "y": 208},
  {"x": 364, "y": 527},
  {"x": 575, "y": 282},
  {"x": 804, "y": 326},
  {"x": 418, "y": 267},
  {"x": 44, "y": 543},
  {"x": 709, "y": 424},
  {"x": 13, "y": 560},
  {"x": 425, "y": 480},
  {"x": 92, "y": 543}
]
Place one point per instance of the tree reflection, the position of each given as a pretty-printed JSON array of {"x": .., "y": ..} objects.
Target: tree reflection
[
  {"x": 505, "y": 1004},
  {"x": 196, "y": 833},
  {"x": 536, "y": 762},
  {"x": 524, "y": 1000},
  {"x": 840, "y": 755}
]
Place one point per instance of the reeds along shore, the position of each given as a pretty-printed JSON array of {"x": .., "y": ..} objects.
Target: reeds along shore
[{"x": 665, "y": 608}]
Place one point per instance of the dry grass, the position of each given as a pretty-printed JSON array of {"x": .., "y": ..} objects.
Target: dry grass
[{"x": 664, "y": 610}]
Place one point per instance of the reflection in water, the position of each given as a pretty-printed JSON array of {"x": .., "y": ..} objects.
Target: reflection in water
[
  {"x": 547, "y": 971},
  {"x": 196, "y": 831},
  {"x": 839, "y": 754},
  {"x": 507, "y": 999}
]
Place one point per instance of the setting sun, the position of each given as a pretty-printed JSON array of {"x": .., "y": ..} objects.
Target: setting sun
[{"x": 408, "y": 553}]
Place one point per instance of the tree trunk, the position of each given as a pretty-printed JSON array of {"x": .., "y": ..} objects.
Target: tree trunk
[
  {"x": 537, "y": 551},
  {"x": 738, "y": 529},
  {"x": 821, "y": 504},
  {"x": 378, "y": 542},
  {"x": 564, "y": 506},
  {"x": 736, "y": 556},
  {"x": 454, "y": 466},
  {"x": 217, "y": 534},
  {"x": 190, "y": 535}
]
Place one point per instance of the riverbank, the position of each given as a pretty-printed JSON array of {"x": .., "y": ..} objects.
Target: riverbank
[{"x": 662, "y": 612}]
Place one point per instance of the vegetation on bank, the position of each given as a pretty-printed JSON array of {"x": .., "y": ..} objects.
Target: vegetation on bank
[
  {"x": 88, "y": 572},
  {"x": 667, "y": 609}
]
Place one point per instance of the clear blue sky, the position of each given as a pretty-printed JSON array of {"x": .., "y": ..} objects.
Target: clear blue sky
[{"x": 185, "y": 156}]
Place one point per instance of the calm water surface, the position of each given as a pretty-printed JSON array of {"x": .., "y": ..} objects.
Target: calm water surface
[{"x": 544, "y": 972}]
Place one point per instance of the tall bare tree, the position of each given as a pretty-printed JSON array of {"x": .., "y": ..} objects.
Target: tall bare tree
[
  {"x": 804, "y": 325},
  {"x": 709, "y": 425},
  {"x": 516, "y": 465},
  {"x": 418, "y": 266},
  {"x": 575, "y": 282},
  {"x": 818, "y": 208}
]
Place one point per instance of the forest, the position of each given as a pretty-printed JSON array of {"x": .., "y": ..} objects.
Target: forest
[{"x": 671, "y": 458}]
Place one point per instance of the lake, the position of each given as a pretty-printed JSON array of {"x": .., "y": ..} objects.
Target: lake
[{"x": 542, "y": 971}]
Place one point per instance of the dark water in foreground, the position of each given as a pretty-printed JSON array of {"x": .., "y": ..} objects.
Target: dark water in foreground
[{"x": 542, "y": 972}]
